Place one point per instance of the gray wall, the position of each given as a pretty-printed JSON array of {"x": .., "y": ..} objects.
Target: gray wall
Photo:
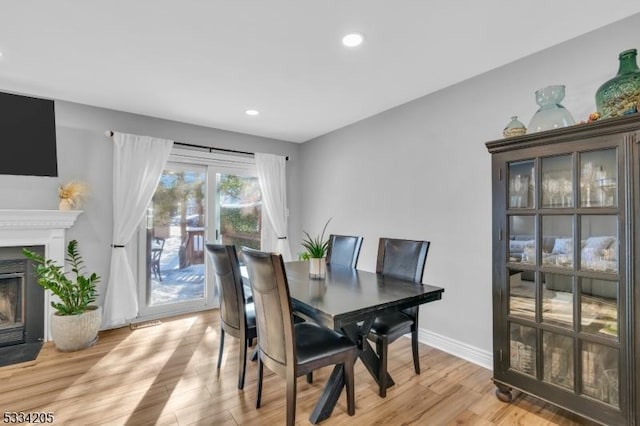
[
  {"x": 85, "y": 153},
  {"x": 422, "y": 171}
]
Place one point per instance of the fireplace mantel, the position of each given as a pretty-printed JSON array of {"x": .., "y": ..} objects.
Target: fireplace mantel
[
  {"x": 37, "y": 219},
  {"x": 23, "y": 228}
]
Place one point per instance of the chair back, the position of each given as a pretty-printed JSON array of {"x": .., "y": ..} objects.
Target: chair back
[
  {"x": 404, "y": 259},
  {"x": 227, "y": 272},
  {"x": 344, "y": 250},
  {"x": 274, "y": 319}
]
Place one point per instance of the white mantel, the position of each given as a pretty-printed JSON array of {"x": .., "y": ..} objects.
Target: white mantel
[{"x": 20, "y": 228}]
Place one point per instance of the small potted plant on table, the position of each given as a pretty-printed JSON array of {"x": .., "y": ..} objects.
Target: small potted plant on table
[
  {"x": 316, "y": 253},
  {"x": 75, "y": 322}
]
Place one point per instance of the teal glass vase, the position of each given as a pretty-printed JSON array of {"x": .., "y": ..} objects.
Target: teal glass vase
[
  {"x": 621, "y": 94},
  {"x": 514, "y": 128},
  {"x": 551, "y": 115}
]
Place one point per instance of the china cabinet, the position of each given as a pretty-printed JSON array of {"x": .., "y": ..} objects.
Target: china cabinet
[{"x": 564, "y": 267}]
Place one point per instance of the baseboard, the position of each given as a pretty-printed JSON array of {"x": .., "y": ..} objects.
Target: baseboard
[{"x": 456, "y": 348}]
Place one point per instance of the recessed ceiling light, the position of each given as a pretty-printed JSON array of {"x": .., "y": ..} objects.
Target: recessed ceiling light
[
  {"x": 0, "y": 54},
  {"x": 352, "y": 40},
  {"x": 252, "y": 112}
]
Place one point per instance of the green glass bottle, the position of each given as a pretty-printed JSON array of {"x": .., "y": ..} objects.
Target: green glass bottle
[{"x": 621, "y": 94}]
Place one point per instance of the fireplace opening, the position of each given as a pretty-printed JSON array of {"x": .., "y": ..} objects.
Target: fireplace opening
[{"x": 21, "y": 307}]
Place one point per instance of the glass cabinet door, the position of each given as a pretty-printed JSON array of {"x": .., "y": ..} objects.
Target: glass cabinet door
[{"x": 562, "y": 272}]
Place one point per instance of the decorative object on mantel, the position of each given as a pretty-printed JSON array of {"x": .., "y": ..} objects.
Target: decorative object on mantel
[
  {"x": 551, "y": 115},
  {"x": 621, "y": 94},
  {"x": 316, "y": 253},
  {"x": 514, "y": 128},
  {"x": 72, "y": 195},
  {"x": 76, "y": 322}
]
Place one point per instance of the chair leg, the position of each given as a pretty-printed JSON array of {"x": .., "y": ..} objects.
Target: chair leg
[
  {"x": 414, "y": 347},
  {"x": 243, "y": 362},
  {"x": 291, "y": 400},
  {"x": 349, "y": 382},
  {"x": 381, "y": 349},
  {"x": 310, "y": 377},
  {"x": 221, "y": 347},
  {"x": 259, "y": 390}
]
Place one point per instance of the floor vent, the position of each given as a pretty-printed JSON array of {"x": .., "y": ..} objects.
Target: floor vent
[{"x": 144, "y": 324}]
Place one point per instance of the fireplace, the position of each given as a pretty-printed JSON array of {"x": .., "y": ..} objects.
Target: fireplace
[
  {"x": 21, "y": 299},
  {"x": 24, "y": 306}
]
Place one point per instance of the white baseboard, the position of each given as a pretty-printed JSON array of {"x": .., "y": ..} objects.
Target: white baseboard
[{"x": 456, "y": 348}]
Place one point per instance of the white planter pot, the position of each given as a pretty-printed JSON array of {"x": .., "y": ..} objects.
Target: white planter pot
[
  {"x": 75, "y": 332},
  {"x": 318, "y": 268}
]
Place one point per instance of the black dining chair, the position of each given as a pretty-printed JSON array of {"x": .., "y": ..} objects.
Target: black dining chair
[
  {"x": 344, "y": 250},
  {"x": 403, "y": 259},
  {"x": 237, "y": 318},
  {"x": 287, "y": 348}
]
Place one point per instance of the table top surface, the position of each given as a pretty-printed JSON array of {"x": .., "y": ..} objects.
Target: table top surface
[{"x": 348, "y": 295}]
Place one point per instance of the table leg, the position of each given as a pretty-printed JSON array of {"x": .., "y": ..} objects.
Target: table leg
[{"x": 329, "y": 398}]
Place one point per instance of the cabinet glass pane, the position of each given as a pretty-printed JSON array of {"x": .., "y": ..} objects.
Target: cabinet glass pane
[
  {"x": 522, "y": 294},
  {"x": 557, "y": 299},
  {"x": 523, "y": 349},
  {"x": 600, "y": 372},
  {"x": 599, "y": 243},
  {"x": 599, "y": 307},
  {"x": 558, "y": 359},
  {"x": 557, "y": 182},
  {"x": 522, "y": 244},
  {"x": 521, "y": 185},
  {"x": 598, "y": 179},
  {"x": 557, "y": 241}
]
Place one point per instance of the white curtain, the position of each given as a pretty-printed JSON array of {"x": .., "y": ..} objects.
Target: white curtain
[
  {"x": 273, "y": 183},
  {"x": 138, "y": 162}
]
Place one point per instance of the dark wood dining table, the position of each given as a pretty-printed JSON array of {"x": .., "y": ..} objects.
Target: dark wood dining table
[{"x": 348, "y": 300}]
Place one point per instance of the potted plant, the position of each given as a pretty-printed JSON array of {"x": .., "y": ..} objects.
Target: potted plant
[
  {"x": 316, "y": 253},
  {"x": 75, "y": 322}
]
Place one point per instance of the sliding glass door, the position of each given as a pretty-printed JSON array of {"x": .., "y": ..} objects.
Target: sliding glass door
[{"x": 193, "y": 204}]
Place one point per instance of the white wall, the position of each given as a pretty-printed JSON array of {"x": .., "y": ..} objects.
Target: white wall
[
  {"x": 85, "y": 153},
  {"x": 422, "y": 171}
]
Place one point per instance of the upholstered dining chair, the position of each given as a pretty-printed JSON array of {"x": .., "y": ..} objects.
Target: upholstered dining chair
[
  {"x": 287, "y": 348},
  {"x": 237, "y": 318},
  {"x": 344, "y": 250},
  {"x": 403, "y": 259}
]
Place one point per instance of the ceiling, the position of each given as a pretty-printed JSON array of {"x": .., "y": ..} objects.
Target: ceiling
[{"x": 206, "y": 62}]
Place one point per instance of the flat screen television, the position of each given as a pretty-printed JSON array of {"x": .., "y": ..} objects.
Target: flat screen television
[{"x": 28, "y": 136}]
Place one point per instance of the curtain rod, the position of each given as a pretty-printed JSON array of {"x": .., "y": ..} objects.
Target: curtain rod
[{"x": 109, "y": 133}]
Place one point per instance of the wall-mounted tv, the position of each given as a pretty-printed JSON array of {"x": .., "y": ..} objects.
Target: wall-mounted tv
[{"x": 27, "y": 136}]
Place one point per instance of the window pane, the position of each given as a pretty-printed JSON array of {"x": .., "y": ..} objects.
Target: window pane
[
  {"x": 558, "y": 359},
  {"x": 522, "y": 244},
  {"x": 599, "y": 307},
  {"x": 240, "y": 204},
  {"x": 522, "y": 294},
  {"x": 599, "y": 243},
  {"x": 557, "y": 182},
  {"x": 557, "y": 241},
  {"x": 176, "y": 239},
  {"x": 557, "y": 299},
  {"x": 600, "y": 373},
  {"x": 521, "y": 184},
  {"x": 598, "y": 179},
  {"x": 522, "y": 355}
]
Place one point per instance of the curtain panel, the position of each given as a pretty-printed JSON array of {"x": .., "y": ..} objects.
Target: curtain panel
[
  {"x": 273, "y": 184},
  {"x": 137, "y": 167}
]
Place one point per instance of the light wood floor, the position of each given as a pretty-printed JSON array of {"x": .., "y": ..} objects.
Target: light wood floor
[{"x": 166, "y": 375}]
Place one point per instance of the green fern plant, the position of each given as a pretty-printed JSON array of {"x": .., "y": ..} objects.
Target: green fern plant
[
  {"x": 75, "y": 290},
  {"x": 316, "y": 247}
]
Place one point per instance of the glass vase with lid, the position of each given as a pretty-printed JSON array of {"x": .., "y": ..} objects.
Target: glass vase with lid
[
  {"x": 621, "y": 94},
  {"x": 551, "y": 114}
]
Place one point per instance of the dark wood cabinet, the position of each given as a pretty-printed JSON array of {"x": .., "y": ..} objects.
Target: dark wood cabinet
[{"x": 565, "y": 265}]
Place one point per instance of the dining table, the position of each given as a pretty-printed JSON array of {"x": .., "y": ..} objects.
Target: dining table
[{"x": 348, "y": 300}]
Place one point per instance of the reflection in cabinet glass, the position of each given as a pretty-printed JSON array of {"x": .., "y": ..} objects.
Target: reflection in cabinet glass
[{"x": 563, "y": 275}]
